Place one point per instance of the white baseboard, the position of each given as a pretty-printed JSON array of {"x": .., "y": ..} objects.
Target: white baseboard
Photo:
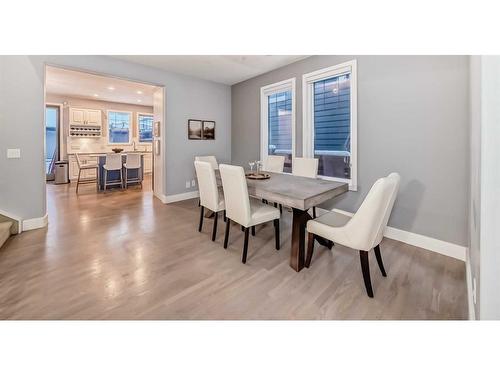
[
  {"x": 35, "y": 223},
  {"x": 181, "y": 197},
  {"x": 161, "y": 197},
  {"x": 470, "y": 293},
  {"x": 419, "y": 240}
]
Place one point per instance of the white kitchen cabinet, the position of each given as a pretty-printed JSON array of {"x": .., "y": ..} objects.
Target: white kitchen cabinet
[
  {"x": 77, "y": 116},
  {"x": 82, "y": 116}
]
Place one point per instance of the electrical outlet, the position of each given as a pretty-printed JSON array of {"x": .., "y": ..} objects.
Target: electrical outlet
[
  {"x": 188, "y": 184},
  {"x": 193, "y": 183},
  {"x": 474, "y": 290}
]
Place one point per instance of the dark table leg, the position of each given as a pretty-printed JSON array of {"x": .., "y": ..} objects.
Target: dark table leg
[{"x": 297, "y": 256}]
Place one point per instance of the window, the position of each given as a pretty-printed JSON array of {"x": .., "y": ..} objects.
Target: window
[
  {"x": 119, "y": 127},
  {"x": 330, "y": 121},
  {"x": 145, "y": 127},
  {"x": 278, "y": 121}
]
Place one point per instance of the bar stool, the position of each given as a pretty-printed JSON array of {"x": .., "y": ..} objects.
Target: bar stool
[
  {"x": 86, "y": 167},
  {"x": 113, "y": 163},
  {"x": 133, "y": 161}
]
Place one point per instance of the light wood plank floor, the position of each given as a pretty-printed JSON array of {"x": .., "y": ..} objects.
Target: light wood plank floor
[{"x": 125, "y": 255}]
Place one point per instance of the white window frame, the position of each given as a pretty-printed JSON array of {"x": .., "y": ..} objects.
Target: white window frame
[
  {"x": 130, "y": 129},
  {"x": 265, "y": 92},
  {"x": 308, "y": 81},
  {"x": 137, "y": 127}
]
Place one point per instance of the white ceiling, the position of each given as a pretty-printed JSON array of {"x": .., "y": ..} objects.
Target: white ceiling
[
  {"x": 223, "y": 69},
  {"x": 87, "y": 86}
]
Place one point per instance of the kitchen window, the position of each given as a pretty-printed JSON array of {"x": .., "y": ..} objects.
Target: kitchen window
[
  {"x": 145, "y": 127},
  {"x": 277, "y": 122},
  {"x": 119, "y": 127},
  {"x": 330, "y": 121}
]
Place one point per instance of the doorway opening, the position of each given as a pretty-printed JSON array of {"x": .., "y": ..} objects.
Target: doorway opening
[{"x": 92, "y": 119}]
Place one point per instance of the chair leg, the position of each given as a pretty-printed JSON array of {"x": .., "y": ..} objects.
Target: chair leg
[
  {"x": 242, "y": 228},
  {"x": 225, "y": 217},
  {"x": 126, "y": 177},
  {"x": 365, "y": 268},
  {"x": 277, "y": 233},
  {"x": 214, "y": 229},
  {"x": 379, "y": 260},
  {"x": 202, "y": 209},
  {"x": 105, "y": 179},
  {"x": 314, "y": 212},
  {"x": 275, "y": 205},
  {"x": 245, "y": 247},
  {"x": 78, "y": 180},
  {"x": 281, "y": 209},
  {"x": 310, "y": 249},
  {"x": 253, "y": 230},
  {"x": 226, "y": 235}
]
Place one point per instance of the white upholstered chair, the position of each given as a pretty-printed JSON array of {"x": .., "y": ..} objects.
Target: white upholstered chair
[
  {"x": 113, "y": 163},
  {"x": 133, "y": 161},
  {"x": 210, "y": 196},
  {"x": 306, "y": 167},
  {"x": 364, "y": 230},
  {"x": 243, "y": 210},
  {"x": 274, "y": 163},
  {"x": 209, "y": 159}
]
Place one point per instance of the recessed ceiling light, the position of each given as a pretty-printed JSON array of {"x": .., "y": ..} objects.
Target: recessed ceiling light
[
  {"x": 139, "y": 92},
  {"x": 111, "y": 88},
  {"x": 139, "y": 100},
  {"x": 96, "y": 95}
]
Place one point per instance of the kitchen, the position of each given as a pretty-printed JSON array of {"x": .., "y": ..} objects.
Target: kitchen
[{"x": 93, "y": 116}]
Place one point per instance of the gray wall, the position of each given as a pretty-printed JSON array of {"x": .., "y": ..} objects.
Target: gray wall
[
  {"x": 413, "y": 118},
  {"x": 22, "y": 185}
]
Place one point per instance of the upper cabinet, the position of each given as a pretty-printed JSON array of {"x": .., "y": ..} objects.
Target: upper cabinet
[
  {"x": 85, "y": 122},
  {"x": 81, "y": 116}
]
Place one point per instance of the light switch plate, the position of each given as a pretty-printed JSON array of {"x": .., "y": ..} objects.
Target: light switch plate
[
  {"x": 188, "y": 185},
  {"x": 193, "y": 183},
  {"x": 13, "y": 153}
]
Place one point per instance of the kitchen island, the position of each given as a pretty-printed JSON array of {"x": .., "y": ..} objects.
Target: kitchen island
[{"x": 100, "y": 159}]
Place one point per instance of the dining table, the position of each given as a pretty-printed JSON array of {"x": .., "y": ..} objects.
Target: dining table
[{"x": 300, "y": 194}]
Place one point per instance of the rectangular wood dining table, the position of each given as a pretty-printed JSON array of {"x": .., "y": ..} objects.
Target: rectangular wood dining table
[{"x": 301, "y": 194}]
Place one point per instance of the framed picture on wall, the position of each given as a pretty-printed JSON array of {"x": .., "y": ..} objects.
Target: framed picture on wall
[
  {"x": 208, "y": 130},
  {"x": 195, "y": 129}
]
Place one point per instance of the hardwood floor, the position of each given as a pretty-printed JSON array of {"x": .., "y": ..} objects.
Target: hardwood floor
[{"x": 125, "y": 255}]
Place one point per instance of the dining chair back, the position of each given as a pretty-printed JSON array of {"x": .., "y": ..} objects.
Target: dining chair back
[
  {"x": 113, "y": 162},
  {"x": 274, "y": 163},
  {"x": 207, "y": 185},
  {"x": 305, "y": 167},
  {"x": 133, "y": 161},
  {"x": 236, "y": 196},
  {"x": 209, "y": 159}
]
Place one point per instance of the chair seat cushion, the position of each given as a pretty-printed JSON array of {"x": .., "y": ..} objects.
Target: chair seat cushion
[
  {"x": 131, "y": 166},
  {"x": 261, "y": 213},
  {"x": 105, "y": 166},
  {"x": 330, "y": 226}
]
